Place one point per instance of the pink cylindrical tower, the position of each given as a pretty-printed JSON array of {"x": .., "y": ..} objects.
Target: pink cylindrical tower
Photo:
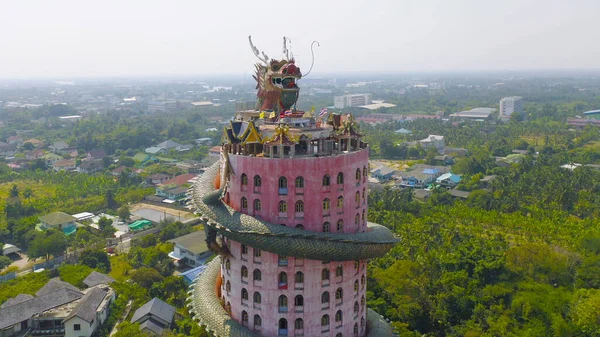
[{"x": 285, "y": 209}]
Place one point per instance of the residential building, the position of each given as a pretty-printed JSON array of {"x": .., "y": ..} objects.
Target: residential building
[
  {"x": 7, "y": 150},
  {"x": 421, "y": 175},
  {"x": 95, "y": 278},
  {"x": 510, "y": 105},
  {"x": 157, "y": 178},
  {"x": 582, "y": 122},
  {"x": 172, "y": 194},
  {"x": 18, "y": 140},
  {"x": 58, "y": 146},
  {"x": 35, "y": 142},
  {"x": 434, "y": 141},
  {"x": 58, "y": 309},
  {"x": 190, "y": 249},
  {"x": 403, "y": 131},
  {"x": 51, "y": 158},
  {"x": 214, "y": 151},
  {"x": 352, "y": 100},
  {"x": 96, "y": 154},
  {"x": 91, "y": 166},
  {"x": 64, "y": 165},
  {"x": 383, "y": 174},
  {"x": 291, "y": 229},
  {"x": 154, "y": 317},
  {"x": 168, "y": 145},
  {"x": 448, "y": 180},
  {"x": 58, "y": 220}
]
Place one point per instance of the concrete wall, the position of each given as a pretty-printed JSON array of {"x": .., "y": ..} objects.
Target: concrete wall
[{"x": 86, "y": 329}]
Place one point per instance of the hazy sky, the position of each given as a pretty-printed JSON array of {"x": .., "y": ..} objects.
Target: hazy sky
[{"x": 146, "y": 38}]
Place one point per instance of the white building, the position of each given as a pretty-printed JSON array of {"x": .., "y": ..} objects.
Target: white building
[
  {"x": 510, "y": 105},
  {"x": 434, "y": 141},
  {"x": 352, "y": 100},
  {"x": 190, "y": 249}
]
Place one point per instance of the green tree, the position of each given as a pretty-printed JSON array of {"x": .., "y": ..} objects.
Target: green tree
[
  {"x": 49, "y": 243},
  {"x": 14, "y": 191},
  {"x": 124, "y": 213},
  {"x": 146, "y": 277},
  {"x": 97, "y": 259},
  {"x": 128, "y": 329},
  {"x": 4, "y": 262},
  {"x": 111, "y": 203},
  {"x": 106, "y": 227},
  {"x": 27, "y": 193},
  {"x": 28, "y": 146}
]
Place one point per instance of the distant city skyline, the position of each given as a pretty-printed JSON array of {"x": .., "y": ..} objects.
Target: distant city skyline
[{"x": 73, "y": 39}]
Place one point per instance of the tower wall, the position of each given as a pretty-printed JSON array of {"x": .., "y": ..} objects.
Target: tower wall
[{"x": 312, "y": 193}]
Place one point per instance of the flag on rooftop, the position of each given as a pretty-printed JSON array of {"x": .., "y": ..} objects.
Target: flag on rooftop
[{"x": 323, "y": 112}]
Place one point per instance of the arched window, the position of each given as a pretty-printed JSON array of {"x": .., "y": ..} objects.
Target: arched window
[
  {"x": 244, "y": 271},
  {"x": 257, "y": 298},
  {"x": 356, "y": 307},
  {"x": 362, "y": 323},
  {"x": 244, "y": 249},
  {"x": 362, "y": 303},
  {"x": 244, "y": 294},
  {"x": 339, "y": 294},
  {"x": 325, "y": 320},
  {"x": 256, "y": 274},
  {"x": 357, "y": 175},
  {"x": 356, "y": 265},
  {"x": 356, "y": 286},
  {"x": 325, "y": 274},
  {"x": 257, "y": 252},
  {"x": 325, "y": 297},
  {"x": 299, "y": 182},
  {"x": 257, "y": 181},
  {"x": 299, "y": 324},
  {"x": 244, "y": 203},
  {"x": 283, "y": 186},
  {"x": 357, "y": 197},
  {"x": 326, "y": 180},
  {"x": 340, "y": 202},
  {"x": 282, "y": 280},
  {"x": 283, "y": 325},
  {"x": 299, "y": 226},
  {"x": 340, "y": 225},
  {"x": 299, "y": 301},
  {"x": 356, "y": 219},
  {"x": 227, "y": 264},
  {"x": 299, "y": 206},
  {"x": 258, "y": 320},
  {"x": 283, "y": 303},
  {"x": 257, "y": 205},
  {"x": 339, "y": 271},
  {"x": 340, "y": 178},
  {"x": 282, "y": 207},
  {"x": 338, "y": 317},
  {"x": 363, "y": 217},
  {"x": 326, "y": 204},
  {"x": 299, "y": 277},
  {"x": 362, "y": 281},
  {"x": 244, "y": 179},
  {"x": 355, "y": 329},
  {"x": 364, "y": 194},
  {"x": 326, "y": 227},
  {"x": 244, "y": 317},
  {"x": 364, "y": 172},
  {"x": 228, "y": 286},
  {"x": 339, "y": 334}
]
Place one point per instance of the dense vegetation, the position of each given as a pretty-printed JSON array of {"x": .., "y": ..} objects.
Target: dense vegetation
[{"x": 519, "y": 258}]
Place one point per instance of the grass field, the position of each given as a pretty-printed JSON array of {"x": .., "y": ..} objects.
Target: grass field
[{"x": 120, "y": 268}]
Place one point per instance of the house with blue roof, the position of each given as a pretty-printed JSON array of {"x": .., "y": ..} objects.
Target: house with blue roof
[
  {"x": 448, "y": 180},
  {"x": 421, "y": 175},
  {"x": 383, "y": 173}
]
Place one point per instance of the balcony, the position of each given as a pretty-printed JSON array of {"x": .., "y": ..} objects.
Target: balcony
[
  {"x": 283, "y": 191},
  {"x": 283, "y": 309},
  {"x": 282, "y": 332},
  {"x": 282, "y": 286}
]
